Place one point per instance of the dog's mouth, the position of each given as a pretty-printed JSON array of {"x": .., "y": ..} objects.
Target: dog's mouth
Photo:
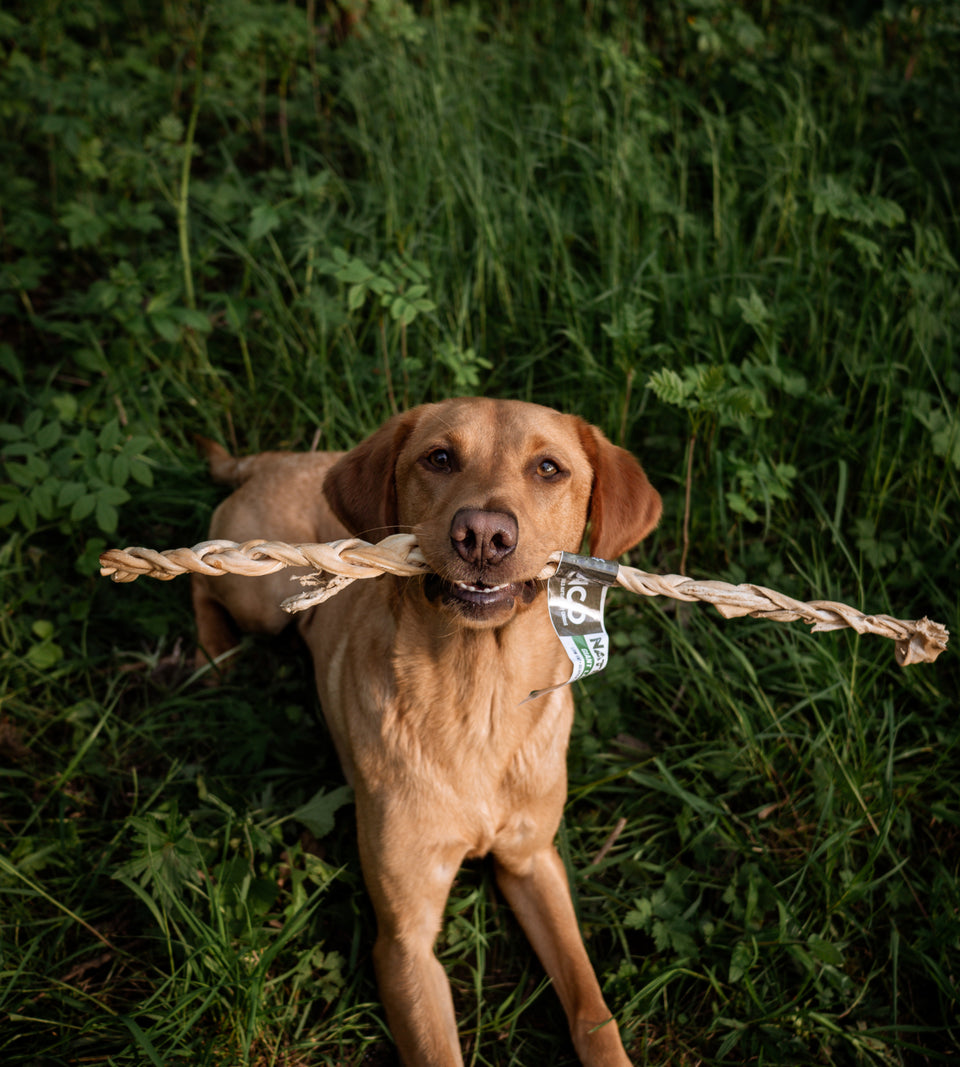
[{"x": 478, "y": 600}]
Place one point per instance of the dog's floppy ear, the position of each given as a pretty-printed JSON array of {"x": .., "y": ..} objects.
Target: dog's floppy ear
[
  {"x": 624, "y": 506},
  {"x": 361, "y": 487}
]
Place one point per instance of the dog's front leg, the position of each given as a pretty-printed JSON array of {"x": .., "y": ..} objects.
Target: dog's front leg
[
  {"x": 536, "y": 887},
  {"x": 409, "y": 882},
  {"x": 416, "y": 994}
]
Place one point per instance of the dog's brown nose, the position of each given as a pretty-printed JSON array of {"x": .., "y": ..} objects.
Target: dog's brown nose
[{"x": 483, "y": 537}]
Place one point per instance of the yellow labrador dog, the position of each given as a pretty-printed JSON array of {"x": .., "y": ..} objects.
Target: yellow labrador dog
[{"x": 423, "y": 681}]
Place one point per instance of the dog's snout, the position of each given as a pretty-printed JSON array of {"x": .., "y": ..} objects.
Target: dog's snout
[{"x": 483, "y": 538}]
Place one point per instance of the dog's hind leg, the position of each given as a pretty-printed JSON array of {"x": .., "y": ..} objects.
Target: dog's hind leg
[{"x": 216, "y": 631}]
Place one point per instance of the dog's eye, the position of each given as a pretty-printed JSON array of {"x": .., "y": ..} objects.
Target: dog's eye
[
  {"x": 441, "y": 460},
  {"x": 547, "y": 469}
]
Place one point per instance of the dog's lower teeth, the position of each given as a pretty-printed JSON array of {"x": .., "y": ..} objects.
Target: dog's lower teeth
[{"x": 480, "y": 588}]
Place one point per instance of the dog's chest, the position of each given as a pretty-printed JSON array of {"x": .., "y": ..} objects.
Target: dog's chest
[
  {"x": 437, "y": 722},
  {"x": 494, "y": 768}
]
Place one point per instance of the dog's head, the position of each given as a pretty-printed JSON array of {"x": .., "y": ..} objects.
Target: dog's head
[{"x": 490, "y": 488}]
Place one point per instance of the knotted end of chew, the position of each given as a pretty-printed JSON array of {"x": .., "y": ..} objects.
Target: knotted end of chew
[{"x": 927, "y": 641}]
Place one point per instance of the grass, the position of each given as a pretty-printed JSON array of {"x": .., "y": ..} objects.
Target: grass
[{"x": 726, "y": 234}]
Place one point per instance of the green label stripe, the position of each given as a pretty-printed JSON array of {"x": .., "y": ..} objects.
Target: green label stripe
[{"x": 589, "y": 663}]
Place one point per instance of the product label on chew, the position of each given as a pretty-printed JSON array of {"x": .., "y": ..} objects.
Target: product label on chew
[{"x": 575, "y": 598}]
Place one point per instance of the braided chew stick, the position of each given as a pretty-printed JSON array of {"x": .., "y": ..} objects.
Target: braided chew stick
[{"x": 919, "y": 641}]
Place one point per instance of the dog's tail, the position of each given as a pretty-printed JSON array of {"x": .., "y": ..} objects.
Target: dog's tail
[{"x": 224, "y": 468}]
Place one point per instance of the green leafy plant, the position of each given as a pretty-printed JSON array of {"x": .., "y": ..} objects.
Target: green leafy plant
[
  {"x": 231, "y": 906},
  {"x": 400, "y": 286},
  {"x": 711, "y": 396},
  {"x": 59, "y": 475}
]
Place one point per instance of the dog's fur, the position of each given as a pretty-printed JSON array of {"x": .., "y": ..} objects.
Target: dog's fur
[{"x": 422, "y": 682}]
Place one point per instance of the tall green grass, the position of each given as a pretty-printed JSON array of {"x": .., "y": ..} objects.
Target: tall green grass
[{"x": 726, "y": 234}]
